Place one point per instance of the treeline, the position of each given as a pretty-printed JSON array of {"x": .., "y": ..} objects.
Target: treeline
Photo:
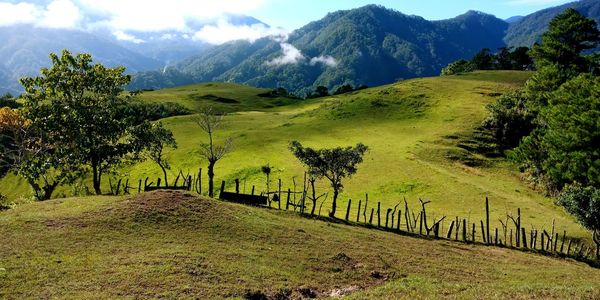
[
  {"x": 551, "y": 127},
  {"x": 504, "y": 59},
  {"x": 322, "y": 91}
]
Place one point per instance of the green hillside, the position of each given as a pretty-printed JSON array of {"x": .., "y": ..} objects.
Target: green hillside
[
  {"x": 417, "y": 131},
  {"x": 228, "y": 97},
  {"x": 169, "y": 245}
]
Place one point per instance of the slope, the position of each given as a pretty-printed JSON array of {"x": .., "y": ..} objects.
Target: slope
[
  {"x": 418, "y": 132},
  {"x": 370, "y": 45},
  {"x": 172, "y": 245},
  {"x": 529, "y": 29}
]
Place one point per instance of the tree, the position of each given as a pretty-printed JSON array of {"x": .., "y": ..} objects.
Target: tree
[
  {"x": 457, "y": 67},
  {"x": 343, "y": 89},
  {"x": 568, "y": 35},
  {"x": 76, "y": 105},
  {"x": 209, "y": 121},
  {"x": 320, "y": 91},
  {"x": 503, "y": 59},
  {"x": 483, "y": 60},
  {"x": 26, "y": 151},
  {"x": 334, "y": 164},
  {"x": 584, "y": 204},
  {"x": 266, "y": 169},
  {"x": 158, "y": 138},
  {"x": 509, "y": 120},
  {"x": 520, "y": 59}
]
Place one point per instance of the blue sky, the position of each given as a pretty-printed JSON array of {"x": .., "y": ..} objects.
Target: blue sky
[{"x": 293, "y": 14}]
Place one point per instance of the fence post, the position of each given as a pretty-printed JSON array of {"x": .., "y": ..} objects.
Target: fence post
[
  {"x": 483, "y": 237},
  {"x": 287, "y": 201},
  {"x": 387, "y": 216},
  {"x": 562, "y": 244},
  {"x": 473, "y": 234},
  {"x": 222, "y": 187},
  {"x": 379, "y": 214},
  {"x": 555, "y": 242},
  {"x": 158, "y": 182},
  {"x": 449, "y": 235},
  {"x": 487, "y": 220},
  {"x": 464, "y": 230},
  {"x": 119, "y": 186},
  {"x": 524, "y": 237},
  {"x": 358, "y": 213},
  {"x": 140, "y": 187},
  {"x": 279, "y": 203},
  {"x": 496, "y": 237},
  {"x": 252, "y": 190},
  {"x": 371, "y": 217},
  {"x": 348, "y": 209},
  {"x": 399, "y": 218},
  {"x": 237, "y": 185}
]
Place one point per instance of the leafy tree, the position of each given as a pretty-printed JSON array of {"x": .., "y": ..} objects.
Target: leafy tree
[
  {"x": 7, "y": 100},
  {"x": 26, "y": 151},
  {"x": 584, "y": 204},
  {"x": 509, "y": 119},
  {"x": 320, "y": 91},
  {"x": 344, "y": 89},
  {"x": 483, "y": 60},
  {"x": 572, "y": 133},
  {"x": 520, "y": 59},
  {"x": 503, "y": 59},
  {"x": 334, "y": 164},
  {"x": 457, "y": 67},
  {"x": 157, "y": 139},
  {"x": 76, "y": 105},
  {"x": 266, "y": 169},
  {"x": 209, "y": 121},
  {"x": 568, "y": 35}
]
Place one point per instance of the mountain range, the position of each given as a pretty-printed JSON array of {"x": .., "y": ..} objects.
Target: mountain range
[{"x": 371, "y": 45}]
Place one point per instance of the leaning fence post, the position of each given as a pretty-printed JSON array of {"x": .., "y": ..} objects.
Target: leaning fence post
[
  {"x": 399, "y": 218},
  {"x": 562, "y": 244},
  {"x": 287, "y": 201},
  {"x": 348, "y": 209},
  {"x": 524, "y": 237},
  {"x": 222, "y": 187},
  {"x": 449, "y": 234},
  {"x": 483, "y": 237},
  {"x": 358, "y": 213},
  {"x": 371, "y": 217}
]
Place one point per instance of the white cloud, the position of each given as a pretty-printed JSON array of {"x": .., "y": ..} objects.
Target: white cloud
[
  {"x": 122, "y": 36},
  {"x": 324, "y": 59},
  {"x": 60, "y": 14},
  {"x": 224, "y": 31},
  {"x": 291, "y": 55},
  {"x": 57, "y": 14}
]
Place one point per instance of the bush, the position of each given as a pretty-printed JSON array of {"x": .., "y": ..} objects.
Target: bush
[
  {"x": 584, "y": 204},
  {"x": 457, "y": 67},
  {"x": 509, "y": 120}
]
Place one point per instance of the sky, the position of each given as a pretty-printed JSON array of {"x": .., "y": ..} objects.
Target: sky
[{"x": 123, "y": 17}]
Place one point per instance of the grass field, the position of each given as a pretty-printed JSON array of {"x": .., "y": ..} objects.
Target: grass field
[
  {"x": 412, "y": 128},
  {"x": 170, "y": 245}
]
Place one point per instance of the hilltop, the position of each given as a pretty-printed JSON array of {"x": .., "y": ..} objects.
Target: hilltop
[{"x": 174, "y": 245}]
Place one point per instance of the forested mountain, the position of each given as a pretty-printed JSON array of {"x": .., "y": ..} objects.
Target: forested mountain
[
  {"x": 529, "y": 29},
  {"x": 370, "y": 45}
]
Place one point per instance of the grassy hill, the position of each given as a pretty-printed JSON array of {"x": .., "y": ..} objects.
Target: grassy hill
[
  {"x": 173, "y": 245},
  {"x": 418, "y": 132}
]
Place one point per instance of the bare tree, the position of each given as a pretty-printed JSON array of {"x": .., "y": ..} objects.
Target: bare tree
[{"x": 209, "y": 121}]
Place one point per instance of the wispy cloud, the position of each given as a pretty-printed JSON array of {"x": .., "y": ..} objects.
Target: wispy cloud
[
  {"x": 224, "y": 31},
  {"x": 324, "y": 59},
  {"x": 291, "y": 55},
  {"x": 122, "y": 36}
]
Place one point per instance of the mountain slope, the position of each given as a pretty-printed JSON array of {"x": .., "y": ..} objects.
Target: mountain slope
[
  {"x": 529, "y": 29},
  {"x": 370, "y": 45},
  {"x": 174, "y": 245}
]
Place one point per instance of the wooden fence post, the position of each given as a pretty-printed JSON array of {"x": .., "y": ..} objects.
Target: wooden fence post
[
  {"x": 487, "y": 220},
  {"x": 237, "y": 185},
  {"x": 287, "y": 200},
  {"x": 524, "y": 237},
  {"x": 348, "y": 209},
  {"x": 379, "y": 214},
  {"x": 140, "y": 187},
  {"x": 252, "y": 191},
  {"x": 421, "y": 224},
  {"x": 483, "y": 237},
  {"x": 449, "y": 234},
  {"x": 366, "y": 205},
  {"x": 473, "y": 234},
  {"x": 371, "y": 217},
  {"x": 464, "y": 230},
  {"x": 496, "y": 238},
  {"x": 562, "y": 244},
  {"x": 279, "y": 203},
  {"x": 399, "y": 218},
  {"x": 358, "y": 213},
  {"x": 222, "y": 186},
  {"x": 158, "y": 182},
  {"x": 387, "y": 216},
  {"x": 555, "y": 242}
]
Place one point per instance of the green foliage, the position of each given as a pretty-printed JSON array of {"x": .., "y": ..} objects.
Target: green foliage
[
  {"x": 334, "y": 164},
  {"x": 155, "y": 138},
  {"x": 572, "y": 132},
  {"x": 568, "y": 35},
  {"x": 584, "y": 203},
  {"x": 76, "y": 108},
  {"x": 7, "y": 100},
  {"x": 140, "y": 111},
  {"x": 509, "y": 120},
  {"x": 458, "y": 67},
  {"x": 483, "y": 60}
]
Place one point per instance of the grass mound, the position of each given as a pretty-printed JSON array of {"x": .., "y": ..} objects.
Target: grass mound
[{"x": 175, "y": 245}]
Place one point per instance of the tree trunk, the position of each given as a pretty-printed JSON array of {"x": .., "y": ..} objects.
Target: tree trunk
[
  {"x": 97, "y": 177},
  {"x": 211, "y": 176},
  {"x": 314, "y": 197},
  {"x": 334, "y": 204},
  {"x": 164, "y": 174},
  {"x": 48, "y": 190}
]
